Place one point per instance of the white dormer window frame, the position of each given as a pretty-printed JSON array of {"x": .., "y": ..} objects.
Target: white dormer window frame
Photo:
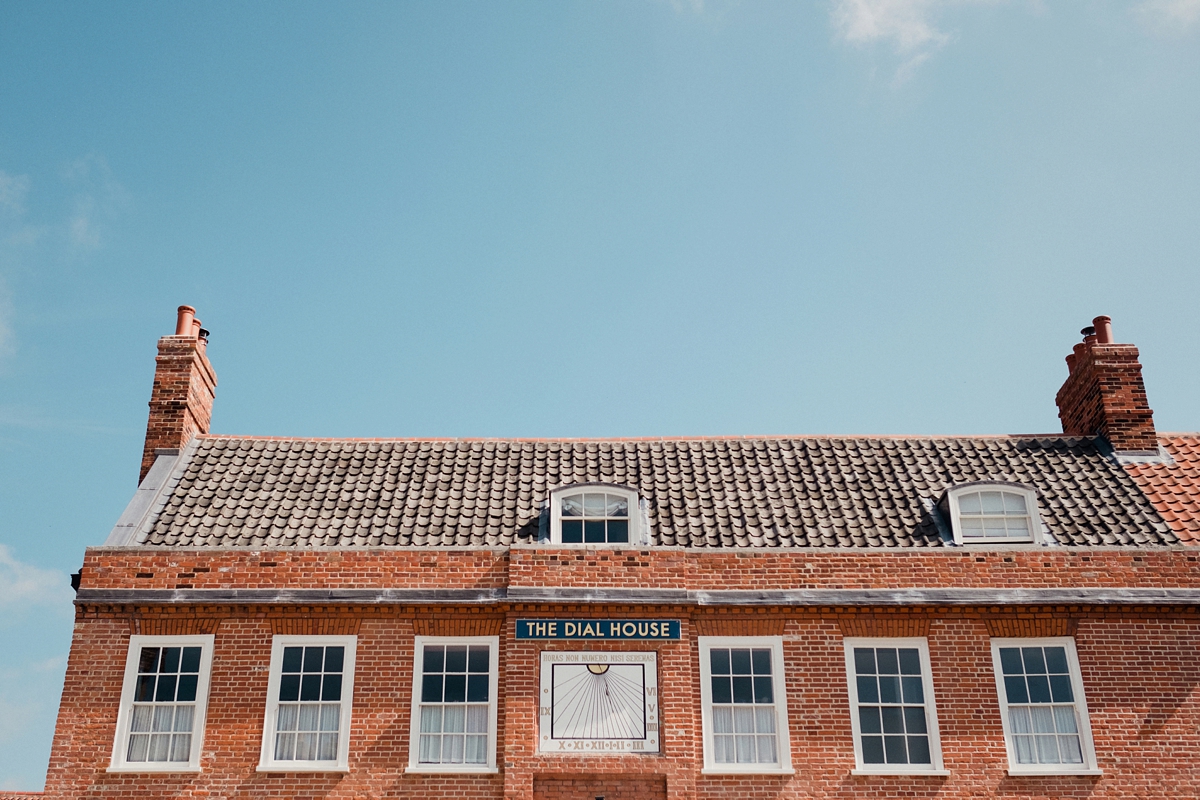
[
  {"x": 980, "y": 510},
  {"x": 584, "y": 518}
]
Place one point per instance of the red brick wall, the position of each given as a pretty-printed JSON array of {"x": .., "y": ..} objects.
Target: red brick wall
[
  {"x": 181, "y": 399},
  {"x": 660, "y": 568},
  {"x": 1105, "y": 394},
  {"x": 1139, "y": 668},
  {"x": 609, "y": 787}
]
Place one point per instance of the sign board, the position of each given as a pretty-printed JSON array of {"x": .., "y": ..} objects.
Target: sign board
[
  {"x": 598, "y": 703},
  {"x": 598, "y": 630}
]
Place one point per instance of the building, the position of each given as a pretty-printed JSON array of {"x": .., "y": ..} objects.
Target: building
[{"x": 743, "y": 617}]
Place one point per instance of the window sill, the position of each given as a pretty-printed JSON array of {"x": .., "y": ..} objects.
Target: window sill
[
  {"x": 450, "y": 769},
  {"x": 317, "y": 767},
  {"x": 902, "y": 773},
  {"x": 144, "y": 770},
  {"x": 1054, "y": 773},
  {"x": 747, "y": 771}
]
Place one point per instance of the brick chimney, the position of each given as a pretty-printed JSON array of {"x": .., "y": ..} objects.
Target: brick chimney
[
  {"x": 184, "y": 387},
  {"x": 1104, "y": 393}
]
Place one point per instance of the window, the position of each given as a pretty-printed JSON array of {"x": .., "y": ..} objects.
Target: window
[
  {"x": 595, "y": 514},
  {"x": 454, "y": 704},
  {"x": 1042, "y": 707},
  {"x": 160, "y": 725},
  {"x": 744, "y": 705},
  {"x": 309, "y": 695},
  {"x": 993, "y": 512},
  {"x": 891, "y": 706}
]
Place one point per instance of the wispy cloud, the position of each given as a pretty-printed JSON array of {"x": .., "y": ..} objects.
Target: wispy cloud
[
  {"x": 24, "y": 588},
  {"x": 910, "y": 27},
  {"x": 1169, "y": 16},
  {"x": 99, "y": 199}
]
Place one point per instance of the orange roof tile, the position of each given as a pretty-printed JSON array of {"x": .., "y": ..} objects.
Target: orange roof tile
[{"x": 1175, "y": 488}]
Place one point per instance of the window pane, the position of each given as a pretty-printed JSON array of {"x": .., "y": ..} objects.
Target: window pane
[
  {"x": 1018, "y": 720},
  {"x": 309, "y": 715},
  {"x": 163, "y": 716},
  {"x": 456, "y": 688},
  {"x": 593, "y": 531},
  {"x": 1064, "y": 719},
  {"x": 477, "y": 689},
  {"x": 1060, "y": 688},
  {"x": 1035, "y": 663},
  {"x": 166, "y": 687},
  {"x": 431, "y": 689},
  {"x": 434, "y": 658},
  {"x": 183, "y": 718},
  {"x": 1014, "y": 688},
  {"x": 894, "y": 750},
  {"x": 991, "y": 503},
  {"x": 1056, "y": 660},
  {"x": 918, "y": 750},
  {"x": 145, "y": 689},
  {"x": 313, "y": 656},
  {"x": 1039, "y": 688},
  {"x": 327, "y": 747},
  {"x": 191, "y": 660},
  {"x": 972, "y": 528},
  {"x": 889, "y": 689},
  {"x": 285, "y": 719},
  {"x": 181, "y": 747},
  {"x": 334, "y": 656},
  {"x": 893, "y": 719},
  {"x": 431, "y": 719},
  {"x": 285, "y": 747},
  {"x": 1014, "y": 503},
  {"x": 910, "y": 661},
  {"x": 187, "y": 688},
  {"x": 310, "y": 687},
  {"x": 454, "y": 719},
  {"x": 743, "y": 720},
  {"x": 331, "y": 688},
  {"x": 872, "y": 747},
  {"x": 431, "y": 750},
  {"x": 572, "y": 531},
  {"x": 476, "y": 750},
  {"x": 743, "y": 690},
  {"x": 160, "y": 747},
  {"x": 456, "y": 658},
  {"x": 864, "y": 661},
  {"x": 593, "y": 505},
  {"x": 719, "y": 661},
  {"x": 969, "y": 503},
  {"x": 289, "y": 687},
  {"x": 914, "y": 690},
  {"x": 722, "y": 690},
  {"x": 764, "y": 719},
  {"x": 572, "y": 505},
  {"x": 170, "y": 659},
  {"x": 618, "y": 530},
  {"x": 331, "y": 715},
  {"x": 292, "y": 658},
  {"x": 887, "y": 660},
  {"x": 479, "y": 659},
  {"x": 148, "y": 661},
  {"x": 868, "y": 690},
  {"x": 766, "y": 750},
  {"x": 740, "y": 661},
  {"x": 723, "y": 720},
  {"x": 617, "y": 506},
  {"x": 1010, "y": 661},
  {"x": 761, "y": 661},
  {"x": 914, "y": 720},
  {"x": 477, "y": 719},
  {"x": 138, "y": 746},
  {"x": 868, "y": 719},
  {"x": 762, "y": 690}
]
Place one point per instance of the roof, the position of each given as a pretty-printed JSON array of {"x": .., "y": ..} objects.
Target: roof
[
  {"x": 712, "y": 492},
  {"x": 1174, "y": 486}
]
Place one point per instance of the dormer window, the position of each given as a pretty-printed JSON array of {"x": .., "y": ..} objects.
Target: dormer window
[
  {"x": 594, "y": 514},
  {"x": 993, "y": 513}
]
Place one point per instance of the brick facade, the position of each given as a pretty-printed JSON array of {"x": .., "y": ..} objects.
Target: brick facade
[{"x": 1138, "y": 667}]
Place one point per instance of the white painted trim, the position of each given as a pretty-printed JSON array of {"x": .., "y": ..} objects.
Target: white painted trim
[
  {"x": 638, "y": 515},
  {"x": 783, "y": 733},
  {"x": 418, "y": 674},
  {"x": 935, "y": 767},
  {"x": 1037, "y": 528},
  {"x": 117, "y": 762},
  {"x": 1086, "y": 744},
  {"x": 267, "y": 762}
]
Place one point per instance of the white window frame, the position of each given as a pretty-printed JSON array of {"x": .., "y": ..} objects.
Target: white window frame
[
  {"x": 1031, "y": 505},
  {"x": 1086, "y": 744},
  {"x": 125, "y": 713},
  {"x": 637, "y": 525},
  {"x": 936, "y": 765},
  {"x": 267, "y": 762},
  {"x": 783, "y": 737},
  {"x": 414, "y": 736}
]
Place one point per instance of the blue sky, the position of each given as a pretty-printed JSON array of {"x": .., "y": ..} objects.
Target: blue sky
[{"x": 566, "y": 219}]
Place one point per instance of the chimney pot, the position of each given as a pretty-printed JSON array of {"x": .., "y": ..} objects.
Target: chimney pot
[
  {"x": 1103, "y": 327},
  {"x": 195, "y": 331},
  {"x": 183, "y": 323}
]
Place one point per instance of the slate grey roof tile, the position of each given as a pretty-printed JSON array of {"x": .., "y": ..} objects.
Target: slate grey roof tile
[{"x": 721, "y": 492}]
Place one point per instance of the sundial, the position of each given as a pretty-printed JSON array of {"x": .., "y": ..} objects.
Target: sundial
[{"x": 593, "y": 702}]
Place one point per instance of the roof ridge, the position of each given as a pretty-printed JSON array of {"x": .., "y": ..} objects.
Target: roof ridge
[{"x": 712, "y": 438}]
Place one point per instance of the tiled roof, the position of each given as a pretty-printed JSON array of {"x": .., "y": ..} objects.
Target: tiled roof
[
  {"x": 718, "y": 492},
  {"x": 1175, "y": 488}
]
